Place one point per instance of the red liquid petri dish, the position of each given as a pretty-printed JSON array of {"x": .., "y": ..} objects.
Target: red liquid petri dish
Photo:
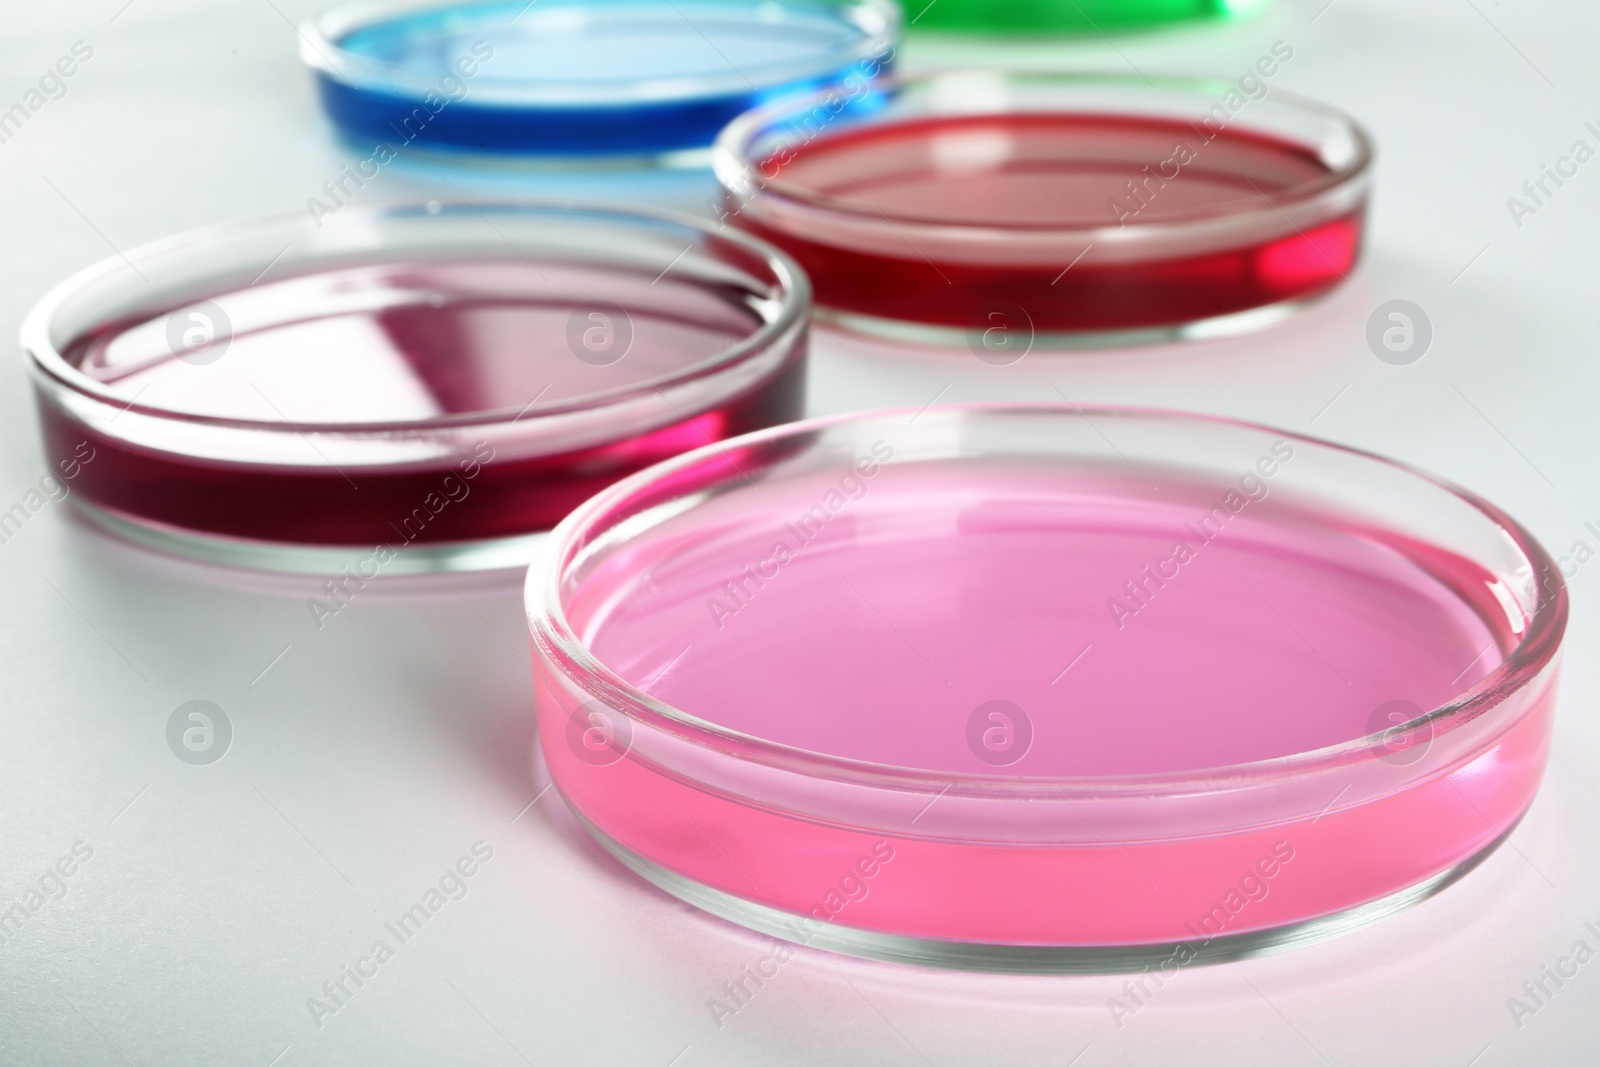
[
  {"x": 1042, "y": 689},
  {"x": 412, "y": 387},
  {"x": 1008, "y": 210}
]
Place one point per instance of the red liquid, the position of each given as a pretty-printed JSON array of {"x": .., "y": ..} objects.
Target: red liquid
[
  {"x": 1029, "y": 172},
  {"x": 398, "y": 342}
]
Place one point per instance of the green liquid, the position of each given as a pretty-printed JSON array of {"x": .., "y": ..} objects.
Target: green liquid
[{"x": 1022, "y": 16}]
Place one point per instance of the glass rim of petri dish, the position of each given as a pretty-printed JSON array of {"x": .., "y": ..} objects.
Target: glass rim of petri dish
[
  {"x": 677, "y": 485},
  {"x": 444, "y": 321},
  {"x": 42, "y": 342},
  {"x": 321, "y": 50},
  {"x": 738, "y": 160},
  {"x": 1066, "y": 210}
]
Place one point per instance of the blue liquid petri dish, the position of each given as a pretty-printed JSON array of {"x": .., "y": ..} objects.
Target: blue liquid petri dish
[{"x": 648, "y": 82}]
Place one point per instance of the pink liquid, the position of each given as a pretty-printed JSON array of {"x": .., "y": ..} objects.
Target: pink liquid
[
  {"x": 400, "y": 342},
  {"x": 1028, "y": 172},
  {"x": 924, "y": 596}
]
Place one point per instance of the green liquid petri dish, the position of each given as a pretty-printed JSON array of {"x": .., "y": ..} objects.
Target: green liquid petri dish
[{"x": 1066, "y": 16}]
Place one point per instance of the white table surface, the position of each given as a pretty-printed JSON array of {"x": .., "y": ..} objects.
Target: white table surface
[{"x": 376, "y": 751}]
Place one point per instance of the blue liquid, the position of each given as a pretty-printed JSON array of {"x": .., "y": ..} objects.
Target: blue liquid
[{"x": 605, "y": 77}]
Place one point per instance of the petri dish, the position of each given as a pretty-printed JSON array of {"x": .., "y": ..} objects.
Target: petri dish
[
  {"x": 406, "y": 387},
  {"x": 631, "y": 81},
  {"x": 1069, "y": 16},
  {"x": 1007, "y": 211},
  {"x": 1044, "y": 689}
]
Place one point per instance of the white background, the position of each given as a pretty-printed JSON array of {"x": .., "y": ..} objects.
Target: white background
[{"x": 374, "y": 753}]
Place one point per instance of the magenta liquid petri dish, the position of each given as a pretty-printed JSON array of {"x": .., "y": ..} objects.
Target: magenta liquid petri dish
[
  {"x": 1013, "y": 210},
  {"x": 405, "y": 388},
  {"x": 1041, "y": 689}
]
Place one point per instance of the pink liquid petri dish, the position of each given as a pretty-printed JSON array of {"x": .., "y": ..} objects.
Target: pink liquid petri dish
[
  {"x": 1041, "y": 689},
  {"x": 1008, "y": 211},
  {"x": 404, "y": 388}
]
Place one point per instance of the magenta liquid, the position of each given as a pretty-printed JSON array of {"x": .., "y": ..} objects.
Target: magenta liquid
[
  {"x": 408, "y": 341},
  {"x": 1128, "y": 632}
]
